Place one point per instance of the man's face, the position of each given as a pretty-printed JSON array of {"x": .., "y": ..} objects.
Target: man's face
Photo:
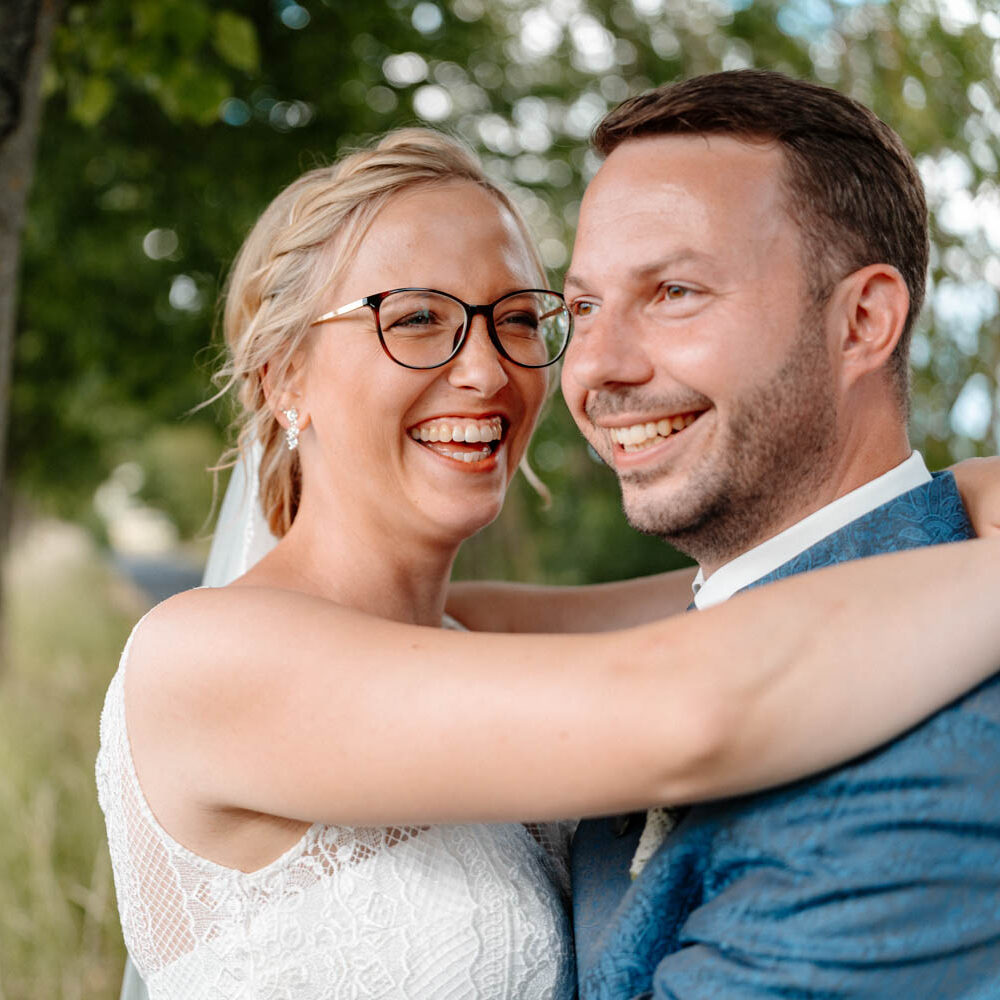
[{"x": 700, "y": 368}]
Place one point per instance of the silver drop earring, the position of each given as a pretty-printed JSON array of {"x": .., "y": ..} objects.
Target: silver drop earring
[{"x": 292, "y": 433}]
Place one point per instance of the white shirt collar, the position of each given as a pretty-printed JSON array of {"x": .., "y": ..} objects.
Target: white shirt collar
[{"x": 768, "y": 556}]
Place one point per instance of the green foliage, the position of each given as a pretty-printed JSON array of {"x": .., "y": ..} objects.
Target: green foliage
[
  {"x": 142, "y": 197},
  {"x": 91, "y": 98},
  {"x": 174, "y": 459},
  {"x": 235, "y": 39},
  {"x": 176, "y": 50}
]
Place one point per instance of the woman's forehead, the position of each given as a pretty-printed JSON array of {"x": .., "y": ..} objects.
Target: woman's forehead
[{"x": 444, "y": 232}]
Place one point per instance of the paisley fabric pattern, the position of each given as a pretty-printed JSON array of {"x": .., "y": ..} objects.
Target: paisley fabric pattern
[{"x": 877, "y": 879}]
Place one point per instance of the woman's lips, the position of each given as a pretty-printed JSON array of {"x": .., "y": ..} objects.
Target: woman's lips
[{"x": 469, "y": 440}]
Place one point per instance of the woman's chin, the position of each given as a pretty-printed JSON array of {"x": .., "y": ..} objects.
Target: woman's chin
[{"x": 458, "y": 523}]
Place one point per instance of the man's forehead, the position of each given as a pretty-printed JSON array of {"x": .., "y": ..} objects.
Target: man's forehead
[
  {"x": 700, "y": 190},
  {"x": 663, "y": 167}
]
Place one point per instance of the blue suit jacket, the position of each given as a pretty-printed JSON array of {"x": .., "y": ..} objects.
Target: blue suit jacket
[{"x": 879, "y": 879}]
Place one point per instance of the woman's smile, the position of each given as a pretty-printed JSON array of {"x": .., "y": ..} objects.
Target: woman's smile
[{"x": 465, "y": 439}]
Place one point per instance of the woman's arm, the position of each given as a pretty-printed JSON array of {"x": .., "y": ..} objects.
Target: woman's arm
[
  {"x": 274, "y": 702},
  {"x": 494, "y": 606},
  {"x": 978, "y": 481}
]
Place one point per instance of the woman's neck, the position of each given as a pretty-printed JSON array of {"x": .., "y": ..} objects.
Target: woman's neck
[{"x": 360, "y": 564}]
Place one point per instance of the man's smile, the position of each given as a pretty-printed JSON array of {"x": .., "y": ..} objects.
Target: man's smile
[{"x": 643, "y": 434}]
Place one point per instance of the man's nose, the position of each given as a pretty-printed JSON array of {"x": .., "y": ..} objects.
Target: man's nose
[
  {"x": 478, "y": 365},
  {"x": 607, "y": 350}
]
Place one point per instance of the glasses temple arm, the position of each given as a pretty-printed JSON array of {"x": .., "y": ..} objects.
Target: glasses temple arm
[{"x": 350, "y": 307}]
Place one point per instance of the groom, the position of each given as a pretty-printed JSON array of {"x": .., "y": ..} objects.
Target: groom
[{"x": 749, "y": 263}]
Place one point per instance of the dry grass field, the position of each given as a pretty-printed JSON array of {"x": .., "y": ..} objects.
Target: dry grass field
[{"x": 66, "y": 620}]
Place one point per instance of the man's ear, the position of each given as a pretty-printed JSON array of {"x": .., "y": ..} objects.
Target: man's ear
[{"x": 869, "y": 308}]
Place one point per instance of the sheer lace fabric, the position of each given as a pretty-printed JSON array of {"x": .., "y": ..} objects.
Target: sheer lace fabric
[{"x": 444, "y": 912}]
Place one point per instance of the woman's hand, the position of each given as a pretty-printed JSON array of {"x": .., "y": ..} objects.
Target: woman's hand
[{"x": 979, "y": 483}]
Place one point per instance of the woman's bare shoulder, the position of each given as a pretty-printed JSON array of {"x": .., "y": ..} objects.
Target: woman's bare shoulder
[
  {"x": 199, "y": 638},
  {"x": 243, "y": 629}
]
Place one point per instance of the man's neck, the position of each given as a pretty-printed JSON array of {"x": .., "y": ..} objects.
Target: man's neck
[
  {"x": 860, "y": 458},
  {"x": 790, "y": 538}
]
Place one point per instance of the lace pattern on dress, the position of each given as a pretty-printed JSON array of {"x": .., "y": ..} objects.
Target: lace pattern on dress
[{"x": 443, "y": 911}]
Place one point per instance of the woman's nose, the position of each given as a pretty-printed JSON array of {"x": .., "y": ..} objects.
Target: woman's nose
[{"x": 478, "y": 365}]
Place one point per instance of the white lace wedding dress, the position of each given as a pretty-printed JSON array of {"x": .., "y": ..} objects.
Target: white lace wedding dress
[
  {"x": 421, "y": 913},
  {"x": 472, "y": 911}
]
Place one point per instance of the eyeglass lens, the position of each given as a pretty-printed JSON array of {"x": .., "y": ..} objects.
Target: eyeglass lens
[{"x": 422, "y": 328}]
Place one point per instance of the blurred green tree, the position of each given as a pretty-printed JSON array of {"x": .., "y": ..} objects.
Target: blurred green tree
[
  {"x": 171, "y": 123},
  {"x": 25, "y": 31}
]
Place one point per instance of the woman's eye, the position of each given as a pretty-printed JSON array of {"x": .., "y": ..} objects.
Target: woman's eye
[
  {"x": 522, "y": 323},
  {"x": 422, "y": 317}
]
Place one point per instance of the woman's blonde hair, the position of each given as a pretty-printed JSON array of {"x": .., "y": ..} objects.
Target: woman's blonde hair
[{"x": 299, "y": 246}]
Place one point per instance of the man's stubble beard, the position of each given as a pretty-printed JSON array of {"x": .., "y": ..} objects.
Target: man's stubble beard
[{"x": 778, "y": 449}]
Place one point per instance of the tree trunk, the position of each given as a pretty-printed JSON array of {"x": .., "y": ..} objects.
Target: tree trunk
[{"x": 25, "y": 33}]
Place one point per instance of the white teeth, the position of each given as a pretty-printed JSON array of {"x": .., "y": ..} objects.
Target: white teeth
[
  {"x": 643, "y": 434},
  {"x": 466, "y": 456},
  {"x": 464, "y": 431}
]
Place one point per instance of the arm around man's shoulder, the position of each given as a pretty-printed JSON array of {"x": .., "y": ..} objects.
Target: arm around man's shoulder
[{"x": 879, "y": 878}]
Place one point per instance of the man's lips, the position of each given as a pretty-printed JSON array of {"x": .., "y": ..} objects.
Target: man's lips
[{"x": 643, "y": 434}]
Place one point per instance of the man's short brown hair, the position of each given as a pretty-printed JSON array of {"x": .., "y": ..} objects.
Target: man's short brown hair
[{"x": 854, "y": 190}]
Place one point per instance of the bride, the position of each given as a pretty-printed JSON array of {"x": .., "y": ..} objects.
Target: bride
[{"x": 311, "y": 788}]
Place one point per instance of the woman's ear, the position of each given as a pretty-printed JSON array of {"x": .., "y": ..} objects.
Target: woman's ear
[
  {"x": 290, "y": 396},
  {"x": 870, "y": 308}
]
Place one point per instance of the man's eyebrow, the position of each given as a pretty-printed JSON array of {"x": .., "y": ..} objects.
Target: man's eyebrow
[
  {"x": 646, "y": 271},
  {"x": 685, "y": 256}
]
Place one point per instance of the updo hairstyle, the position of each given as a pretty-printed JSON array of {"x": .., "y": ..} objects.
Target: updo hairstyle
[{"x": 301, "y": 245}]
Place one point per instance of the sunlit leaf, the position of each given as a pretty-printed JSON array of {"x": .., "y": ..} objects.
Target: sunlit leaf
[
  {"x": 190, "y": 23},
  {"x": 235, "y": 39},
  {"x": 192, "y": 92},
  {"x": 90, "y": 103}
]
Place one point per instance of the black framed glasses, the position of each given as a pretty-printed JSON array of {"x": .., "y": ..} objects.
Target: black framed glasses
[{"x": 423, "y": 328}]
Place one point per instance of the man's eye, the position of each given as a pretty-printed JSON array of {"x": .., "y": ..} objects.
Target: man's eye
[
  {"x": 675, "y": 292},
  {"x": 582, "y": 309}
]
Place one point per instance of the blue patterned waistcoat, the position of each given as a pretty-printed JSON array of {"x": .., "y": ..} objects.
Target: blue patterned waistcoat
[{"x": 878, "y": 879}]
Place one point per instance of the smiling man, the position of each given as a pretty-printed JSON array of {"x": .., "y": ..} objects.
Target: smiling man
[{"x": 750, "y": 260}]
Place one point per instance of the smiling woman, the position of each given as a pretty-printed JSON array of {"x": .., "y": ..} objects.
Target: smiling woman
[{"x": 283, "y": 758}]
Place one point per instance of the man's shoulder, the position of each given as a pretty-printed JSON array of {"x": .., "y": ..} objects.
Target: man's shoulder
[
  {"x": 939, "y": 764},
  {"x": 929, "y": 784},
  {"x": 929, "y": 514}
]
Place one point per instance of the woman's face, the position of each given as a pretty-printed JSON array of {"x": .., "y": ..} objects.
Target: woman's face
[{"x": 397, "y": 446}]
